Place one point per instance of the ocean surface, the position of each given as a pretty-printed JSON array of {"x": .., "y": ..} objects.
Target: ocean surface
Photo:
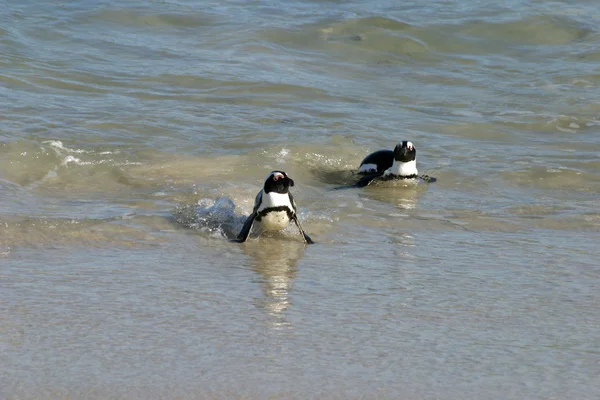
[{"x": 135, "y": 135}]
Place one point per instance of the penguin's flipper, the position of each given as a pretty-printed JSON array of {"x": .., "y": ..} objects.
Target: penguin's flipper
[
  {"x": 364, "y": 181},
  {"x": 307, "y": 238},
  {"x": 241, "y": 238},
  {"x": 367, "y": 179},
  {"x": 245, "y": 232}
]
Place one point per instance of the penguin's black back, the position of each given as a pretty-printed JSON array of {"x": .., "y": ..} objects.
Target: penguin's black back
[{"x": 382, "y": 158}]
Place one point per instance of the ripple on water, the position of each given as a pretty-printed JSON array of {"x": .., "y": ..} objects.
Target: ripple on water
[
  {"x": 530, "y": 30},
  {"x": 147, "y": 19},
  {"x": 86, "y": 232},
  {"x": 369, "y": 38},
  {"x": 560, "y": 178},
  {"x": 373, "y": 40}
]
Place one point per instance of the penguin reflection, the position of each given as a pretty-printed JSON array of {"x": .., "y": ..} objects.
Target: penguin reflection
[{"x": 275, "y": 260}]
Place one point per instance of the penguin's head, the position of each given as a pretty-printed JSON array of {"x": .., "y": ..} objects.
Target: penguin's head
[
  {"x": 278, "y": 182},
  {"x": 405, "y": 152}
]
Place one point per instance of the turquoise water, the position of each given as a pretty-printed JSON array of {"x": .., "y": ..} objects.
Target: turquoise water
[{"x": 122, "y": 123}]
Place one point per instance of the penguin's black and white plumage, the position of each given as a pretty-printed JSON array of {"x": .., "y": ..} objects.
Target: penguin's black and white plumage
[
  {"x": 274, "y": 208},
  {"x": 400, "y": 163}
]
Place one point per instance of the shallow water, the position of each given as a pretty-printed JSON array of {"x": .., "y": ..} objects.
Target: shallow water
[{"x": 124, "y": 123}]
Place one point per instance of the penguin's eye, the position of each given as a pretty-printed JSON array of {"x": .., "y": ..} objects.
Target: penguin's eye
[{"x": 277, "y": 177}]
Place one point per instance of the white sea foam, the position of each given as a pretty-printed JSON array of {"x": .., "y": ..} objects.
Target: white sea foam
[
  {"x": 58, "y": 145},
  {"x": 70, "y": 159}
]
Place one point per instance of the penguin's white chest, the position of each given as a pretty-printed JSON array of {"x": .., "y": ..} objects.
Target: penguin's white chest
[
  {"x": 402, "y": 169},
  {"x": 275, "y": 221},
  {"x": 274, "y": 211}
]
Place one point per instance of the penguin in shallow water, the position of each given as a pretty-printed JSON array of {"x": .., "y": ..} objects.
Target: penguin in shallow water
[
  {"x": 401, "y": 163},
  {"x": 274, "y": 208}
]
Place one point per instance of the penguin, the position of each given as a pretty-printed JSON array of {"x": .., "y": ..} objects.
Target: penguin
[
  {"x": 401, "y": 163},
  {"x": 274, "y": 208}
]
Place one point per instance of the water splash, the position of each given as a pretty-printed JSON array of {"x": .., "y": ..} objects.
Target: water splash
[{"x": 214, "y": 217}]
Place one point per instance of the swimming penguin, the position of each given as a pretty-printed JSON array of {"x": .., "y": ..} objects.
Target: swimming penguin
[
  {"x": 274, "y": 208},
  {"x": 401, "y": 163}
]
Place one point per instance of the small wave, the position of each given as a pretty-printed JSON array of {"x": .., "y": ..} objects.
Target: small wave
[
  {"x": 135, "y": 18},
  {"x": 60, "y": 149},
  {"x": 281, "y": 156},
  {"x": 355, "y": 29},
  {"x": 58, "y": 146},
  {"x": 77, "y": 161}
]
